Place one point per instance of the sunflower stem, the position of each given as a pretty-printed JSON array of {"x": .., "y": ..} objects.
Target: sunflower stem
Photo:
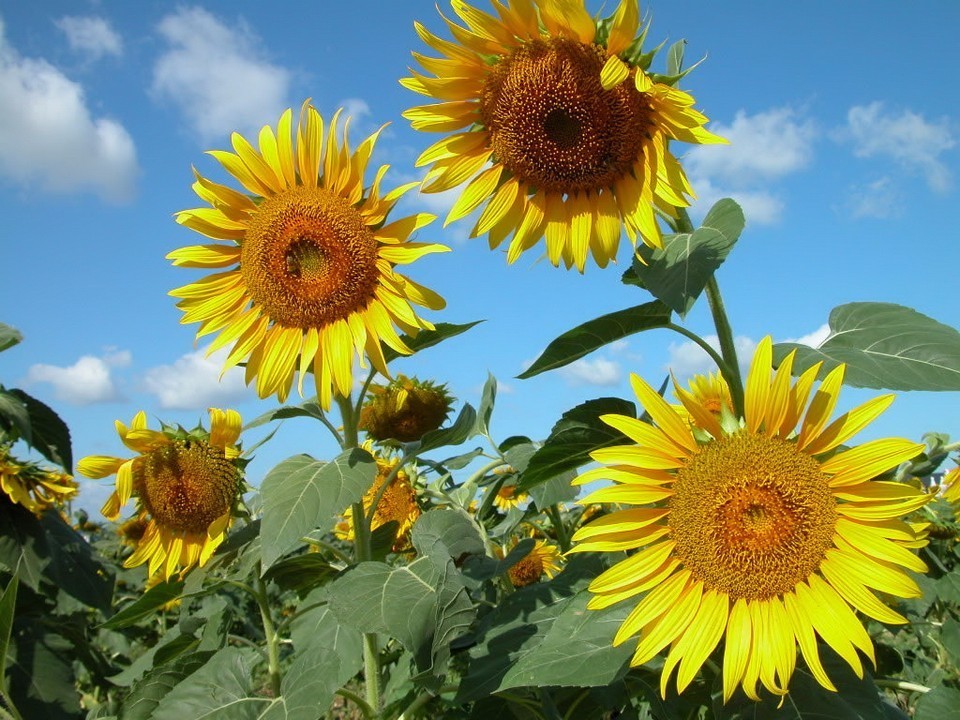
[
  {"x": 367, "y": 711},
  {"x": 900, "y": 685},
  {"x": 703, "y": 345},
  {"x": 556, "y": 519},
  {"x": 273, "y": 644},
  {"x": 731, "y": 371},
  {"x": 421, "y": 700}
]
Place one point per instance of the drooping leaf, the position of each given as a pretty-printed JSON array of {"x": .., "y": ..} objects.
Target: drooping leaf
[
  {"x": 308, "y": 686},
  {"x": 310, "y": 408},
  {"x": 596, "y": 333},
  {"x": 147, "y": 694},
  {"x": 146, "y": 605},
  {"x": 300, "y": 573},
  {"x": 555, "y": 490},
  {"x": 49, "y": 434},
  {"x": 14, "y": 415},
  {"x": 884, "y": 346},
  {"x": 9, "y": 337},
  {"x": 429, "y": 338},
  {"x": 220, "y": 690},
  {"x": 941, "y": 703},
  {"x": 40, "y": 672},
  {"x": 678, "y": 273},
  {"x": 301, "y": 494},
  {"x": 487, "y": 400},
  {"x": 319, "y": 629},
  {"x": 462, "y": 429},
  {"x": 578, "y": 433},
  {"x": 23, "y": 545},
  {"x": 8, "y": 603},
  {"x": 543, "y": 635}
]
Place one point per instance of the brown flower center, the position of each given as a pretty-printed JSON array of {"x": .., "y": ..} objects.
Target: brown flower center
[
  {"x": 528, "y": 571},
  {"x": 308, "y": 259},
  {"x": 752, "y": 516},
  {"x": 186, "y": 485},
  {"x": 553, "y": 125}
]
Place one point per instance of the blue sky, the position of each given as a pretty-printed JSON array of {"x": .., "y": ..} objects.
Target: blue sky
[{"x": 844, "y": 123}]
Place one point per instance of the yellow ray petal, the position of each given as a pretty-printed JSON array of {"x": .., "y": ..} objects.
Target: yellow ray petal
[
  {"x": 662, "y": 414},
  {"x": 634, "y": 568},
  {"x": 821, "y": 407},
  {"x": 857, "y": 594},
  {"x": 624, "y": 27},
  {"x": 669, "y": 626},
  {"x": 848, "y": 425},
  {"x": 757, "y": 391},
  {"x": 738, "y": 647},
  {"x": 869, "y": 460},
  {"x": 653, "y": 606},
  {"x": 699, "y": 640}
]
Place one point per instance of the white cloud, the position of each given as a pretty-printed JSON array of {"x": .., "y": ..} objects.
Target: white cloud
[
  {"x": 878, "y": 199},
  {"x": 765, "y": 146},
  {"x": 91, "y": 36},
  {"x": 599, "y": 372},
  {"x": 906, "y": 138},
  {"x": 89, "y": 380},
  {"x": 688, "y": 358},
  {"x": 759, "y": 206},
  {"x": 48, "y": 137},
  {"x": 193, "y": 382},
  {"x": 217, "y": 75},
  {"x": 813, "y": 339}
]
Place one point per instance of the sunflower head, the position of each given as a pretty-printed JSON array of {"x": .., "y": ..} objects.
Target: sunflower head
[
  {"x": 304, "y": 268},
  {"x": 951, "y": 487},
  {"x": 543, "y": 559},
  {"x": 186, "y": 485},
  {"x": 397, "y": 503},
  {"x": 555, "y": 121},
  {"x": 769, "y": 532},
  {"x": 34, "y": 487},
  {"x": 405, "y": 409},
  {"x": 508, "y": 494}
]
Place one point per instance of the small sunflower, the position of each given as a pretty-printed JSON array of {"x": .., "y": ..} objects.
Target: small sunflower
[
  {"x": 543, "y": 559},
  {"x": 405, "y": 409},
  {"x": 951, "y": 486},
  {"x": 508, "y": 496},
  {"x": 763, "y": 530},
  {"x": 34, "y": 487},
  {"x": 186, "y": 486},
  {"x": 573, "y": 128},
  {"x": 306, "y": 278},
  {"x": 398, "y": 503}
]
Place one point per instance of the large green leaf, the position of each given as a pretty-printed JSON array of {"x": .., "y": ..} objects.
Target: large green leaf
[
  {"x": 146, "y": 605},
  {"x": 578, "y": 433},
  {"x": 9, "y": 337},
  {"x": 319, "y": 628},
  {"x": 8, "y": 604},
  {"x": 310, "y": 408},
  {"x": 308, "y": 686},
  {"x": 301, "y": 494},
  {"x": 49, "y": 434},
  {"x": 543, "y": 635},
  {"x": 487, "y": 400},
  {"x": 424, "y": 605},
  {"x": 677, "y": 273},
  {"x": 40, "y": 672},
  {"x": 447, "y": 530},
  {"x": 462, "y": 429},
  {"x": 220, "y": 690},
  {"x": 884, "y": 346},
  {"x": 14, "y": 415},
  {"x": 23, "y": 545},
  {"x": 941, "y": 703},
  {"x": 596, "y": 333},
  {"x": 429, "y": 338},
  {"x": 147, "y": 694},
  {"x": 301, "y": 573}
]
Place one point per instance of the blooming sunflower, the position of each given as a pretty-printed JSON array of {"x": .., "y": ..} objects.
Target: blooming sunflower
[
  {"x": 574, "y": 129},
  {"x": 32, "y": 486},
  {"x": 508, "y": 496},
  {"x": 398, "y": 503},
  {"x": 186, "y": 486},
  {"x": 764, "y": 530},
  {"x": 951, "y": 486},
  {"x": 543, "y": 559},
  {"x": 405, "y": 409},
  {"x": 311, "y": 278}
]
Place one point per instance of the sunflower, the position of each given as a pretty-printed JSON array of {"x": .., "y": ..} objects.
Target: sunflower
[
  {"x": 186, "y": 486},
  {"x": 311, "y": 278},
  {"x": 508, "y": 496},
  {"x": 543, "y": 559},
  {"x": 34, "y": 487},
  {"x": 951, "y": 486},
  {"x": 765, "y": 530},
  {"x": 574, "y": 129},
  {"x": 405, "y": 409},
  {"x": 398, "y": 503}
]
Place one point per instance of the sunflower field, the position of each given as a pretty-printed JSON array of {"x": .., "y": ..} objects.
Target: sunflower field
[{"x": 722, "y": 549}]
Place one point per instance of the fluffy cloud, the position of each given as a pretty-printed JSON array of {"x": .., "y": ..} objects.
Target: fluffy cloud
[
  {"x": 813, "y": 339},
  {"x": 91, "y": 36},
  {"x": 193, "y": 382},
  {"x": 688, "y": 358},
  {"x": 89, "y": 380},
  {"x": 217, "y": 75},
  {"x": 905, "y": 137},
  {"x": 599, "y": 371},
  {"x": 879, "y": 199},
  {"x": 48, "y": 137},
  {"x": 763, "y": 148}
]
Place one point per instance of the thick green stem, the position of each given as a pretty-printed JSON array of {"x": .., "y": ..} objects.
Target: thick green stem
[
  {"x": 731, "y": 371},
  {"x": 563, "y": 537},
  {"x": 358, "y": 701},
  {"x": 901, "y": 685},
  {"x": 361, "y": 546},
  {"x": 273, "y": 641}
]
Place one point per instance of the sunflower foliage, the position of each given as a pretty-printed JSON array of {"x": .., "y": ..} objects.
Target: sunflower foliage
[{"x": 723, "y": 548}]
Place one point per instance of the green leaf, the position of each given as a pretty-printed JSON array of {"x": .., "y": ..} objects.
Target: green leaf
[
  {"x": 9, "y": 337},
  {"x": 147, "y": 694},
  {"x": 447, "y": 530},
  {"x": 884, "y": 346},
  {"x": 40, "y": 672},
  {"x": 308, "y": 686},
  {"x": 428, "y": 338},
  {"x": 14, "y": 415},
  {"x": 23, "y": 545},
  {"x": 310, "y": 408},
  {"x": 463, "y": 428},
  {"x": 8, "y": 603},
  {"x": 220, "y": 690},
  {"x": 49, "y": 434},
  {"x": 424, "y": 605},
  {"x": 578, "y": 433},
  {"x": 145, "y": 606},
  {"x": 319, "y": 629},
  {"x": 74, "y": 567},
  {"x": 675, "y": 57},
  {"x": 300, "y": 573},
  {"x": 941, "y": 703},
  {"x": 543, "y": 635},
  {"x": 302, "y": 494},
  {"x": 950, "y": 637},
  {"x": 677, "y": 274},
  {"x": 487, "y": 400},
  {"x": 555, "y": 490},
  {"x": 596, "y": 333}
]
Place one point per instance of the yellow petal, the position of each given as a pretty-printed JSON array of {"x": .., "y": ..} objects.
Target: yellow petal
[{"x": 614, "y": 72}]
